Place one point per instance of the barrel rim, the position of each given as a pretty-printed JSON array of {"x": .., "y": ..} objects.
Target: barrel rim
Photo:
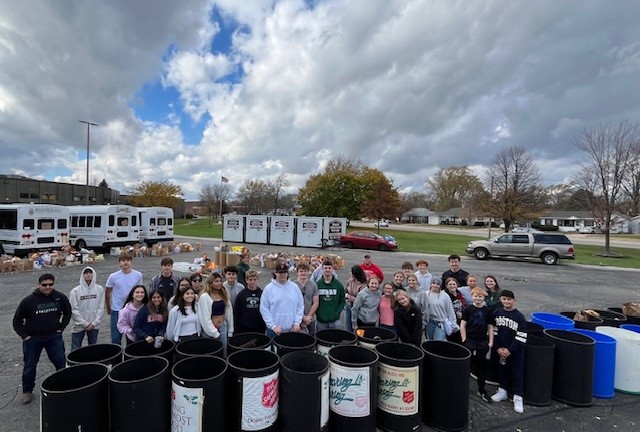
[
  {"x": 256, "y": 351},
  {"x": 93, "y": 347},
  {"x": 312, "y": 339},
  {"x": 206, "y": 358},
  {"x": 68, "y": 370},
  {"x": 547, "y": 332},
  {"x": 408, "y": 345},
  {"x": 610, "y": 340},
  {"x": 365, "y": 351},
  {"x": 440, "y": 342},
  {"x": 139, "y": 359},
  {"x": 156, "y": 354}
]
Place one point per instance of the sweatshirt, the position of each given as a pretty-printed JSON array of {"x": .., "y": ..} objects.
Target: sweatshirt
[
  {"x": 365, "y": 307},
  {"x": 419, "y": 297},
  {"x": 510, "y": 330},
  {"x": 147, "y": 324},
  {"x": 282, "y": 305},
  {"x": 166, "y": 285},
  {"x": 424, "y": 280},
  {"x": 332, "y": 300},
  {"x": 204, "y": 310},
  {"x": 246, "y": 311},
  {"x": 87, "y": 303},
  {"x": 126, "y": 319},
  {"x": 177, "y": 319},
  {"x": 408, "y": 323},
  {"x": 40, "y": 315},
  {"x": 440, "y": 307},
  {"x": 353, "y": 287}
]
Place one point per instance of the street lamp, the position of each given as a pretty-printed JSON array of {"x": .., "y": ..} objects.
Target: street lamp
[{"x": 89, "y": 124}]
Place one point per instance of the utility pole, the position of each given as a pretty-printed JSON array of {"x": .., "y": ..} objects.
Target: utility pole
[
  {"x": 490, "y": 206},
  {"x": 86, "y": 193}
]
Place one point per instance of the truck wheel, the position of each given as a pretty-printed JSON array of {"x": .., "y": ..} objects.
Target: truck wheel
[
  {"x": 549, "y": 258},
  {"x": 481, "y": 253},
  {"x": 81, "y": 244}
]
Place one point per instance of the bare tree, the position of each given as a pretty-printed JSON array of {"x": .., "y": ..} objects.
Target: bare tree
[
  {"x": 610, "y": 151},
  {"x": 213, "y": 196},
  {"x": 276, "y": 187},
  {"x": 255, "y": 196},
  {"x": 517, "y": 188},
  {"x": 631, "y": 184},
  {"x": 453, "y": 187}
]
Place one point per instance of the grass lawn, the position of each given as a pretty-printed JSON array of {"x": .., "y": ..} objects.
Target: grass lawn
[{"x": 432, "y": 243}]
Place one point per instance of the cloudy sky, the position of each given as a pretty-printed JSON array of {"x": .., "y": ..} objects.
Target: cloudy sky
[{"x": 187, "y": 91}]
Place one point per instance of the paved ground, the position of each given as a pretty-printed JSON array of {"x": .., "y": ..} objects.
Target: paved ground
[{"x": 537, "y": 287}]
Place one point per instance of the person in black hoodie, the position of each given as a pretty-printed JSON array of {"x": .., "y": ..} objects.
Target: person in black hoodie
[
  {"x": 407, "y": 319},
  {"x": 39, "y": 321}
]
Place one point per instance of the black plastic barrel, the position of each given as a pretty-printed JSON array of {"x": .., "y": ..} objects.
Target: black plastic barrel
[
  {"x": 631, "y": 319},
  {"x": 145, "y": 349},
  {"x": 399, "y": 386},
  {"x": 373, "y": 336},
  {"x": 140, "y": 395},
  {"x": 534, "y": 329},
  {"x": 253, "y": 390},
  {"x": 329, "y": 338},
  {"x": 353, "y": 382},
  {"x": 304, "y": 392},
  {"x": 107, "y": 354},
  {"x": 76, "y": 398},
  {"x": 538, "y": 370},
  {"x": 610, "y": 318},
  {"x": 445, "y": 401},
  {"x": 572, "y": 367},
  {"x": 199, "y": 347},
  {"x": 247, "y": 341},
  {"x": 591, "y": 323},
  {"x": 199, "y": 394},
  {"x": 284, "y": 343}
]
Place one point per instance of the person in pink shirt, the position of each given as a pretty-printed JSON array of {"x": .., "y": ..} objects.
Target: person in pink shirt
[{"x": 387, "y": 308}]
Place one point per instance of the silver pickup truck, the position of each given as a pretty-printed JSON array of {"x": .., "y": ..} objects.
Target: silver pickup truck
[{"x": 548, "y": 247}]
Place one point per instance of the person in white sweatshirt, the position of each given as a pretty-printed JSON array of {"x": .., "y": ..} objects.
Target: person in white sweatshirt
[{"x": 87, "y": 308}]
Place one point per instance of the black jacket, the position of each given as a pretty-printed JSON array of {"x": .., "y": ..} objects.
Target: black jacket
[
  {"x": 408, "y": 324},
  {"x": 42, "y": 315}
]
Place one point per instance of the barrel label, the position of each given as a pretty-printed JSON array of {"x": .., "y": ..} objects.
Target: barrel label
[
  {"x": 186, "y": 408},
  {"x": 259, "y": 402},
  {"x": 324, "y": 404},
  {"x": 323, "y": 350},
  {"x": 349, "y": 391},
  {"x": 398, "y": 389}
]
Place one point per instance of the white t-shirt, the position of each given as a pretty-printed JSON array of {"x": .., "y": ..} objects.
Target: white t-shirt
[{"x": 122, "y": 284}]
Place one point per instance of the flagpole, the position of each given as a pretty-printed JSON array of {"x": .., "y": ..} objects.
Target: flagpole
[{"x": 221, "y": 197}]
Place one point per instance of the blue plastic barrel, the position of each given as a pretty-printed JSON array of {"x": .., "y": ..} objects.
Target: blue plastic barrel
[
  {"x": 552, "y": 321},
  {"x": 632, "y": 327},
  {"x": 604, "y": 363}
]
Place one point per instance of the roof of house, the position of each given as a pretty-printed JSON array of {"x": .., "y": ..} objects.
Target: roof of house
[
  {"x": 419, "y": 212},
  {"x": 452, "y": 212},
  {"x": 566, "y": 214}
]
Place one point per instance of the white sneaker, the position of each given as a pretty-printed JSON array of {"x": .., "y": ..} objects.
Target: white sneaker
[
  {"x": 518, "y": 405},
  {"x": 500, "y": 395}
]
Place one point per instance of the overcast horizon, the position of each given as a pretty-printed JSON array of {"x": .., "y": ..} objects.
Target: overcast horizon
[{"x": 189, "y": 91}]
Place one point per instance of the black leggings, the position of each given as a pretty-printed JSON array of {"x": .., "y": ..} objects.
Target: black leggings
[{"x": 480, "y": 364}]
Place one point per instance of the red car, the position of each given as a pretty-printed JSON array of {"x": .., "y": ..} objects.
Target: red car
[{"x": 367, "y": 240}]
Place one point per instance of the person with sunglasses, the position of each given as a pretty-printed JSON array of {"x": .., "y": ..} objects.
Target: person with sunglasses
[{"x": 39, "y": 321}]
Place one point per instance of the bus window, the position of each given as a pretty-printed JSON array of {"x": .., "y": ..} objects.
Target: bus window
[
  {"x": 112, "y": 220},
  {"x": 8, "y": 219},
  {"x": 162, "y": 221},
  {"x": 123, "y": 221},
  {"x": 62, "y": 223},
  {"x": 28, "y": 224},
  {"x": 74, "y": 221},
  {"x": 46, "y": 224},
  {"x": 97, "y": 221},
  {"x": 89, "y": 221},
  {"x": 134, "y": 220},
  {"x": 82, "y": 221},
  {"x": 170, "y": 221}
]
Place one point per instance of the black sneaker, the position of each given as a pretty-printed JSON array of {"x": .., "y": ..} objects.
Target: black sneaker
[{"x": 484, "y": 397}]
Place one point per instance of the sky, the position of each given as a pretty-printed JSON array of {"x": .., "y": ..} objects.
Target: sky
[{"x": 189, "y": 91}]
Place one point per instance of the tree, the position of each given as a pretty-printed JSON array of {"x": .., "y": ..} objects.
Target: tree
[
  {"x": 276, "y": 187},
  {"x": 103, "y": 184},
  {"x": 161, "y": 194},
  {"x": 255, "y": 196},
  {"x": 631, "y": 184},
  {"x": 213, "y": 196},
  {"x": 517, "y": 189},
  {"x": 453, "y": 187},
  {"x": 382, "y": 199},
  {"x": 610, "y": 151}
]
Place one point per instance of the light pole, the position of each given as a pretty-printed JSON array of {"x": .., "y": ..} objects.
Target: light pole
[{"x": 89, "y": 124}]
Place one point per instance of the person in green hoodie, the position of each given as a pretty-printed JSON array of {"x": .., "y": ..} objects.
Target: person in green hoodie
[{"x": 332, "y": 300}]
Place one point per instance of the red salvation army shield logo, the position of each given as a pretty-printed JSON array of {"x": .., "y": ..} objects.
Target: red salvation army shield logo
[
  {"x": 407, "y": 397},
  {"x": 270, "y": 393}
]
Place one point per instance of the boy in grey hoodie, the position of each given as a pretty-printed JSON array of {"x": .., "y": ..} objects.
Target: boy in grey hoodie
[{"x": 87, "y": 308}]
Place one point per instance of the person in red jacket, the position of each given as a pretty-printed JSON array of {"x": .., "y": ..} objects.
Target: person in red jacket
[{"x": 368, "y": 266}]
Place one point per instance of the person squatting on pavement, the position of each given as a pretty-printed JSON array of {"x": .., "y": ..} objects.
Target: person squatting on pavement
[{"x": 39, "y": 321}]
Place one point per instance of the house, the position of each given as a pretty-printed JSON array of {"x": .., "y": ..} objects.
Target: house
[
  {"x": 633, "y": 225},
  {"x": 568, "y": 220},
  {"x": 420, "y": 215}
]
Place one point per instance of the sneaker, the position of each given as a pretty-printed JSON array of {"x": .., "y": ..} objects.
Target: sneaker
[
  {"x": 484, "y": 396},
  {"x": 500, "y": 395},
  {"x": 27, "y": 397},
  {"x": 518, "y": 405}
]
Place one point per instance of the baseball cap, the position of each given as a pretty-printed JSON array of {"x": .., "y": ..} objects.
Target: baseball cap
[
  {"x": 282, "y": 268},
  {"x": 507, "y": 293},
  {"x": 367, "y": 255}
]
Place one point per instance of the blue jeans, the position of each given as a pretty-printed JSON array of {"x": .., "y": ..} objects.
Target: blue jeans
[
  {"x": 328, "y": 325},
  {"x": 388, "y": 327},
  {"x": 32, "y": 348},
  {"x": 435, "y": 331},
  {"x": 77, "y": 338},
  {"x": 347, "y": 318},
  {"x": 116, "y": 336},
  {"x": 224, "y": 336}
]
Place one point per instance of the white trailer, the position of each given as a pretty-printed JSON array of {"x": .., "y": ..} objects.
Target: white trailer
[
  {"x": 104, "y": 226},
  {"x": 156, "y": 224},
  {"x": 26, "y": 228}
]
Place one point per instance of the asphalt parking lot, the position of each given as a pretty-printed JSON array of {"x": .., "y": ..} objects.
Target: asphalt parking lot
[{"x": 537, "y": 288}]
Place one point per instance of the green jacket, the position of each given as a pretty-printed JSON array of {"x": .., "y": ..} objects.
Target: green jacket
[{"x": 331, "y": 300}]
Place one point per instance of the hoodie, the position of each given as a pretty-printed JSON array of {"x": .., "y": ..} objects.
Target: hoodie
[
  {"x": 87, "y": 303},
  {"x": 127, "y": 319},
  {"x": 40, "y": 315},
  {"x": 366, "y": 306}
]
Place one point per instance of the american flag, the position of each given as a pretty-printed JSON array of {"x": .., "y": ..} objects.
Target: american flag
[{"x": 224, "y": 179}]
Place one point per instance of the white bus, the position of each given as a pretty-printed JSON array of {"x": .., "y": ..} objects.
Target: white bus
[
  {"x": 104, "y": 226},
  {"x": 26, "y": 228},
  {"x": 156, "y": 224}
]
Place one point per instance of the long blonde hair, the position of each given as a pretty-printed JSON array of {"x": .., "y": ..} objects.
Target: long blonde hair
[{"x": 207, "y": 287}]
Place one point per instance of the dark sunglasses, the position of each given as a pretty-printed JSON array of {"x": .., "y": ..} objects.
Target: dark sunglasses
[
  {"x": 47, "y": 284},
  {"x": 185, "y": 285}
]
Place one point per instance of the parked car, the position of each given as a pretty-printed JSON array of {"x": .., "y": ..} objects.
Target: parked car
[
  {"x": 367, "y": 240},
  {"x": 519, "y": 229},
  {"x": 587, "y": 230},
  {"x": 381, "y": 223},
  {"x": 548, "y": 247}
]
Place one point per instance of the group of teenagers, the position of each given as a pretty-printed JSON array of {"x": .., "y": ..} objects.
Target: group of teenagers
[{"x": 414, "y": 305}]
